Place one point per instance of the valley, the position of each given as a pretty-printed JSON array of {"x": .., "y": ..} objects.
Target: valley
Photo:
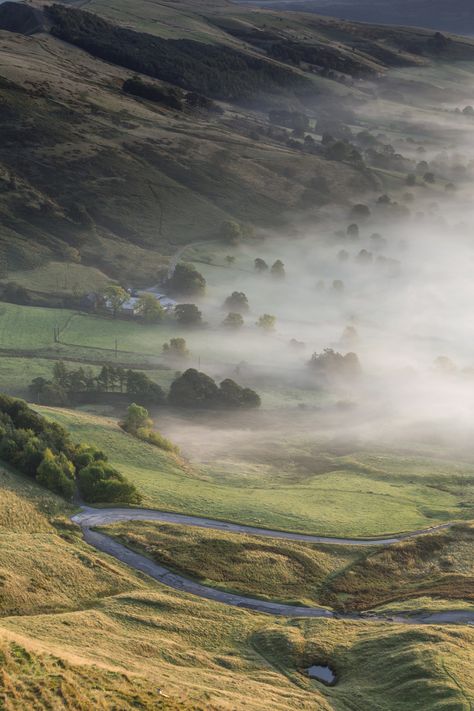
[{"x": 235, "y": 276}]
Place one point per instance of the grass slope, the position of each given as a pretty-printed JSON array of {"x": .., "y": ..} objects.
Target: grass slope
[
  {"x": 345, "y": 498},
  {"x": 436, "y": 566}
]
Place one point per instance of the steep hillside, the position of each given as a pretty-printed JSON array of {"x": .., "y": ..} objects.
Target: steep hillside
[{"x": 121, "y": 181}]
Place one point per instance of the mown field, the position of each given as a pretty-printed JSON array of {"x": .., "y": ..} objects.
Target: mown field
[
  {"x": 344, "y": 578},
  {"x": 345, "y": 495}
]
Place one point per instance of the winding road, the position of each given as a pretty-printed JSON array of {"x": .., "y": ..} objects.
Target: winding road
[{"x": 88, "y": 518}]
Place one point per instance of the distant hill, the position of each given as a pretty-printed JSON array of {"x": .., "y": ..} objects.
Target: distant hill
[{"x": 454, "y": 16}]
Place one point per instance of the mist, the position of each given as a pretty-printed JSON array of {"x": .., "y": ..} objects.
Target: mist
[{"x": 398, "y": 295}]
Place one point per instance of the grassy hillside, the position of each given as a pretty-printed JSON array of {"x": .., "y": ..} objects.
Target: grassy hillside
[
  {"x": 120, "y": 182},
  {"x": 236, "y": 660},
  {"x": 345, "y": 496},
  {"x": 436, "y": 566}
]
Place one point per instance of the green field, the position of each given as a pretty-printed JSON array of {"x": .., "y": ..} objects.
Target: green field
[{"x": 349, "y": 497}]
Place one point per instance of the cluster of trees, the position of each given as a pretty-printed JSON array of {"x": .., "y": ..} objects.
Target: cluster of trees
[
  {"x": 110, "y": 379},
  {"x": 186, "y": 281},
  {"x": 277, "y": 269},
  {"x": 234, "y": 232},
  {"x": 44, "y": 451},
  {"x": 194, "y": 389},
  {"x": 330, "y": 363},
  {"x": 139, "y": 424},
  {"x": 211, "y": 69}
]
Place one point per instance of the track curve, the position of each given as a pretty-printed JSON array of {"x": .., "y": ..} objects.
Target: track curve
[{"x": 89, "y": 517}]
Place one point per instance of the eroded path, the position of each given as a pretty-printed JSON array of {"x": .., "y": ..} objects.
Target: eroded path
[{"x": 89, "y": 518}]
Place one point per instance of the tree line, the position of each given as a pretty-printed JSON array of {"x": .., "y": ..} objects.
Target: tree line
[
  {"x": 65, "y": 382},
  {"x": 213, "y": 70},
  {"x": 44, "y": 451},
  {"x": 191, "y": 389}
]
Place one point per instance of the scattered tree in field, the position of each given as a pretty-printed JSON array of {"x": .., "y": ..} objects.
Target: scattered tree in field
[
  {"x": 115, "y": 297},
  {"x": 137, "y": 416},
  {"x": 260, "y": 265},
  {"x": 330, "y": 363},
  {"x": 139, "y": 424},
  {"x": 343, "y": 255},
  {"x": 353, "y": 231},
  {"x": 237, "y": 302},
  {"x": 150, "y": 309},
  {"x": 230, "y": 259},
  {"x": 176, "y": 347},
  {"x": 266, "y": 322},
  {"x": 429, "y": 177},
  {"x": 188, "y": 314},
  {"x": 338, "y": 285},
  {"x": 232, "y": 232},
  {"x": 364, "y": 257},
  {"x": 349, "y": 337},
  {"x": 278, "y": 269},
  {"x": 360, "y": 212},
  {"x": 193, "y": 389},
  {"x": 233, "y": 320},
  {"x": 411, "y": 179},
  {"x": 186, "y": 281}
]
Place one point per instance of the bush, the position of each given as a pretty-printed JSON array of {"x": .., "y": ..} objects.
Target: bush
[
  {"x": 44, "y": 451},
  {"x": 98, "y": 482}
]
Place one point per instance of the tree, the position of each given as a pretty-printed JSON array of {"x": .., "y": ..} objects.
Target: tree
[
  {"x": 353, "y": 231},
  {"x": 197, "y": 390},
  {"x": 176, "y": 347},
  {"x": 136, "y": 418},
  {"x": 260, "y": 265},
  {"x": 330, "y": 363},
  {"x": 186, "y": 281},
  {"x": 60, "y": 374},
  {"x": 411, "y": 179},
  {"x": 360, "y": 211},
  {"x": 232, "y": 232},
  {"x": 237, "y": 302},
  {"x": 230, "y": 259},
  {"x": 235, "y": 396},
  {"x": 266, "y": 322},
  {"x": 188, "y": 314},
  {"x": 114, "y": 297},
  {"x": 233, "y": 320},
  {"x": 278, "y": 269},
  {"x": 429, "y": 177},
  {"x": 99, "y": 482},
  {"x": 193, "y": 389},
  {"x": 150, "y": 308}
]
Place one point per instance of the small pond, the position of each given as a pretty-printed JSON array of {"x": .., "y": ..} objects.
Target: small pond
[{"x": 321, "y": 673}]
